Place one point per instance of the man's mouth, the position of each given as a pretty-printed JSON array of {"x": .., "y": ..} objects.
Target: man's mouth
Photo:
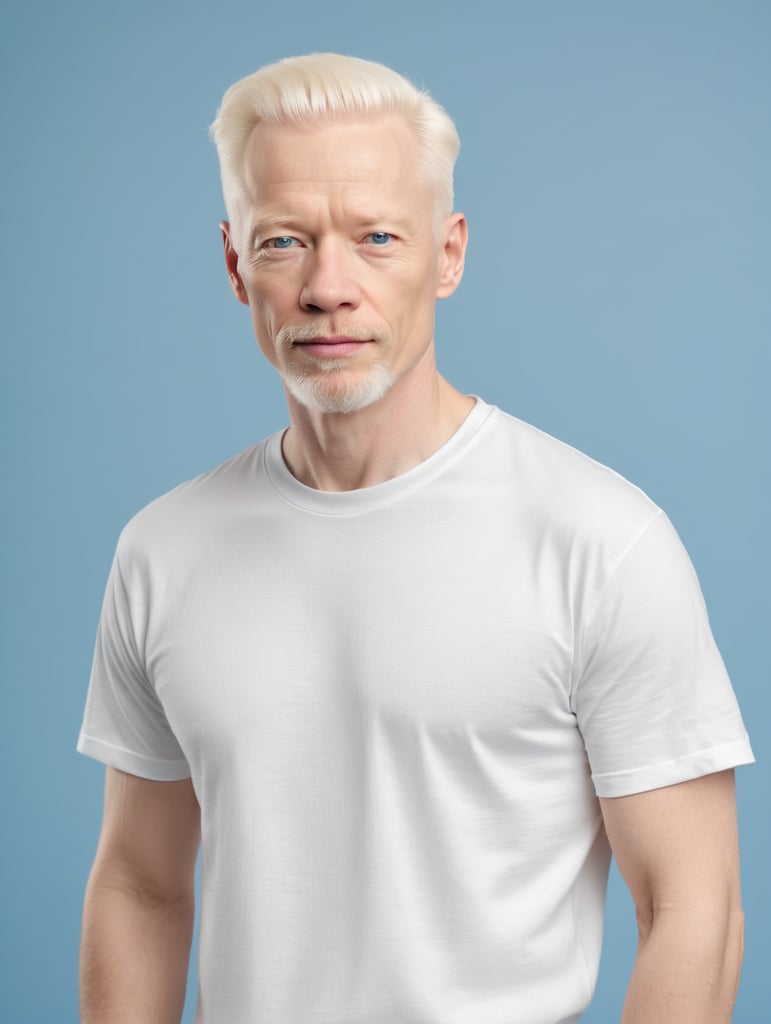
[{"x": 335, "y": 347}]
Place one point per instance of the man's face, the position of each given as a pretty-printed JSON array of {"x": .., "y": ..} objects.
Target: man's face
[{"x": 338, "y": 258}]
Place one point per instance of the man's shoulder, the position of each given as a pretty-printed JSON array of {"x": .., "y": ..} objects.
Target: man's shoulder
[
  {"x": 184, "y": 514},
  {"x": 559, "y": 483}
]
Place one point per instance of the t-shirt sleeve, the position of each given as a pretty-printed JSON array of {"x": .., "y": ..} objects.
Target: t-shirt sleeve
[
  {"x": 653, "y": 700},
  {"x": 124, "y": 725}
]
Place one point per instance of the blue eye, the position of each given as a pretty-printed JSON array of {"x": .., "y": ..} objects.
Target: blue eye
[
  {"x": 282, "y": 242},
  {"x": 380, "y": 237}
]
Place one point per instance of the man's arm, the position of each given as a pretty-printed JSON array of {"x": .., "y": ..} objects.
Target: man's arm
[
  {"x": 140, "y": 903},
  {"x": 677, "y": 850}
]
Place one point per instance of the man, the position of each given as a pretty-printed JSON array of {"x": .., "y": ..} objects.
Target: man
[{"x": 411, "y": 668}]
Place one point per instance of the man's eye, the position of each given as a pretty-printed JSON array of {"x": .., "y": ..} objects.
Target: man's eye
[
  {"x": 380, "y": 237},
  {"x": 281, "y": 242}
]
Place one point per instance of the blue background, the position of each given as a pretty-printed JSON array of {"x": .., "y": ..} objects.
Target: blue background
[{"x": 616, "y": 168}]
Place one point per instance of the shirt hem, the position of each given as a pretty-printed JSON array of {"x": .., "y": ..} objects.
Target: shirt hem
[
  {"x": 131, "y": 762},
  {"x": 669, "y": 773}
]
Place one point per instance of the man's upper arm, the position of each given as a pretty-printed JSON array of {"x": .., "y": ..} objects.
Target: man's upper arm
[
  {"x": 150, "y": 837},
  {"x": 677, "y": 848}
]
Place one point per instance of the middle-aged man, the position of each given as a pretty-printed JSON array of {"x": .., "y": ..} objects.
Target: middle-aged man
[{"x": 410, "y": 667}]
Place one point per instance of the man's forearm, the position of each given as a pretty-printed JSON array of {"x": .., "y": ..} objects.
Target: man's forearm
[
  {"x": 686, "y": 971},
  {"x": 134, "y": 957}
]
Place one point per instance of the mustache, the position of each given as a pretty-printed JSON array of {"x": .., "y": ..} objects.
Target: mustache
[{"x": 328, "y": 329}]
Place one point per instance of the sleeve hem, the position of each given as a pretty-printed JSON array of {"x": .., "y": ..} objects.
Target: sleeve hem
[
  {"x": 669, "y": 773},
  {"x": 135, "y": 764}
]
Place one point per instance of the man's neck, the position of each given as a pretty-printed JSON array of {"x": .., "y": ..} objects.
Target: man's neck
[{"x": 347, "y": 451}]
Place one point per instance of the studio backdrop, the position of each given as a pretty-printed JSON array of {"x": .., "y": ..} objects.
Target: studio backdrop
[{"x": 615, "y": 171}]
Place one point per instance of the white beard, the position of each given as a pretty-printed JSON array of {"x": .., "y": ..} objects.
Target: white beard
[{"x": 322, "y": 393}]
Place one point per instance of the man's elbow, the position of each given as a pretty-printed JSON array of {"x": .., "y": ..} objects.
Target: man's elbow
[{"x": 709, "y": 938}]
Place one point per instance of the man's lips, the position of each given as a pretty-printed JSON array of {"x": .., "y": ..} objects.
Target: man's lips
[{"x": 333, "y": 348}]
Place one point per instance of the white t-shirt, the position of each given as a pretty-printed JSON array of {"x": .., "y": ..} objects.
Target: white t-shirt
[{"x": 398, "y": 706}]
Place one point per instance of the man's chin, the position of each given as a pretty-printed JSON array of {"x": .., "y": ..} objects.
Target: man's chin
[{"x": 326, "y": 394}]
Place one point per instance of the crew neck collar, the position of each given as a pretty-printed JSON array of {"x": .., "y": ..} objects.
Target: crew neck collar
[{"x": 366, "y": 498}]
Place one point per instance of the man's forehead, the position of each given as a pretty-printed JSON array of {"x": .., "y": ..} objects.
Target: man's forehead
[{"x": 345, "y": 150}]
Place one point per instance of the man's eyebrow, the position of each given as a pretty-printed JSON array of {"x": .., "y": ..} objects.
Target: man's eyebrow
[
  {"x": 384, "y": 218},
  {"x": 267, "y": 226}
]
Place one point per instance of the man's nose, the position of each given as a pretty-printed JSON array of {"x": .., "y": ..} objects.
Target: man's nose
[{"x": 331, "y": 280}]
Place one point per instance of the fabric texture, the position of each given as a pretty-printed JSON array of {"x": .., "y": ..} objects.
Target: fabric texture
[{"x": 398, "y": 707}]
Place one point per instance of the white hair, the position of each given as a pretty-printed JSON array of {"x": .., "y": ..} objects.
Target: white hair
[{"x": 302, "y": 91}]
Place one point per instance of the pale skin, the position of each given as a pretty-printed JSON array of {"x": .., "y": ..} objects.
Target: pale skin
[
  {"x": 340, "y": 235},
  {"x": 329, "y": 191},
  {"x": 139, "y": 907}
]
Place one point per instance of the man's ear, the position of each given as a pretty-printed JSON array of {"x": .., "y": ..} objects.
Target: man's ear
[
  {"x": 452, "y": 255},
  {"x": 231, "y": 262}
]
